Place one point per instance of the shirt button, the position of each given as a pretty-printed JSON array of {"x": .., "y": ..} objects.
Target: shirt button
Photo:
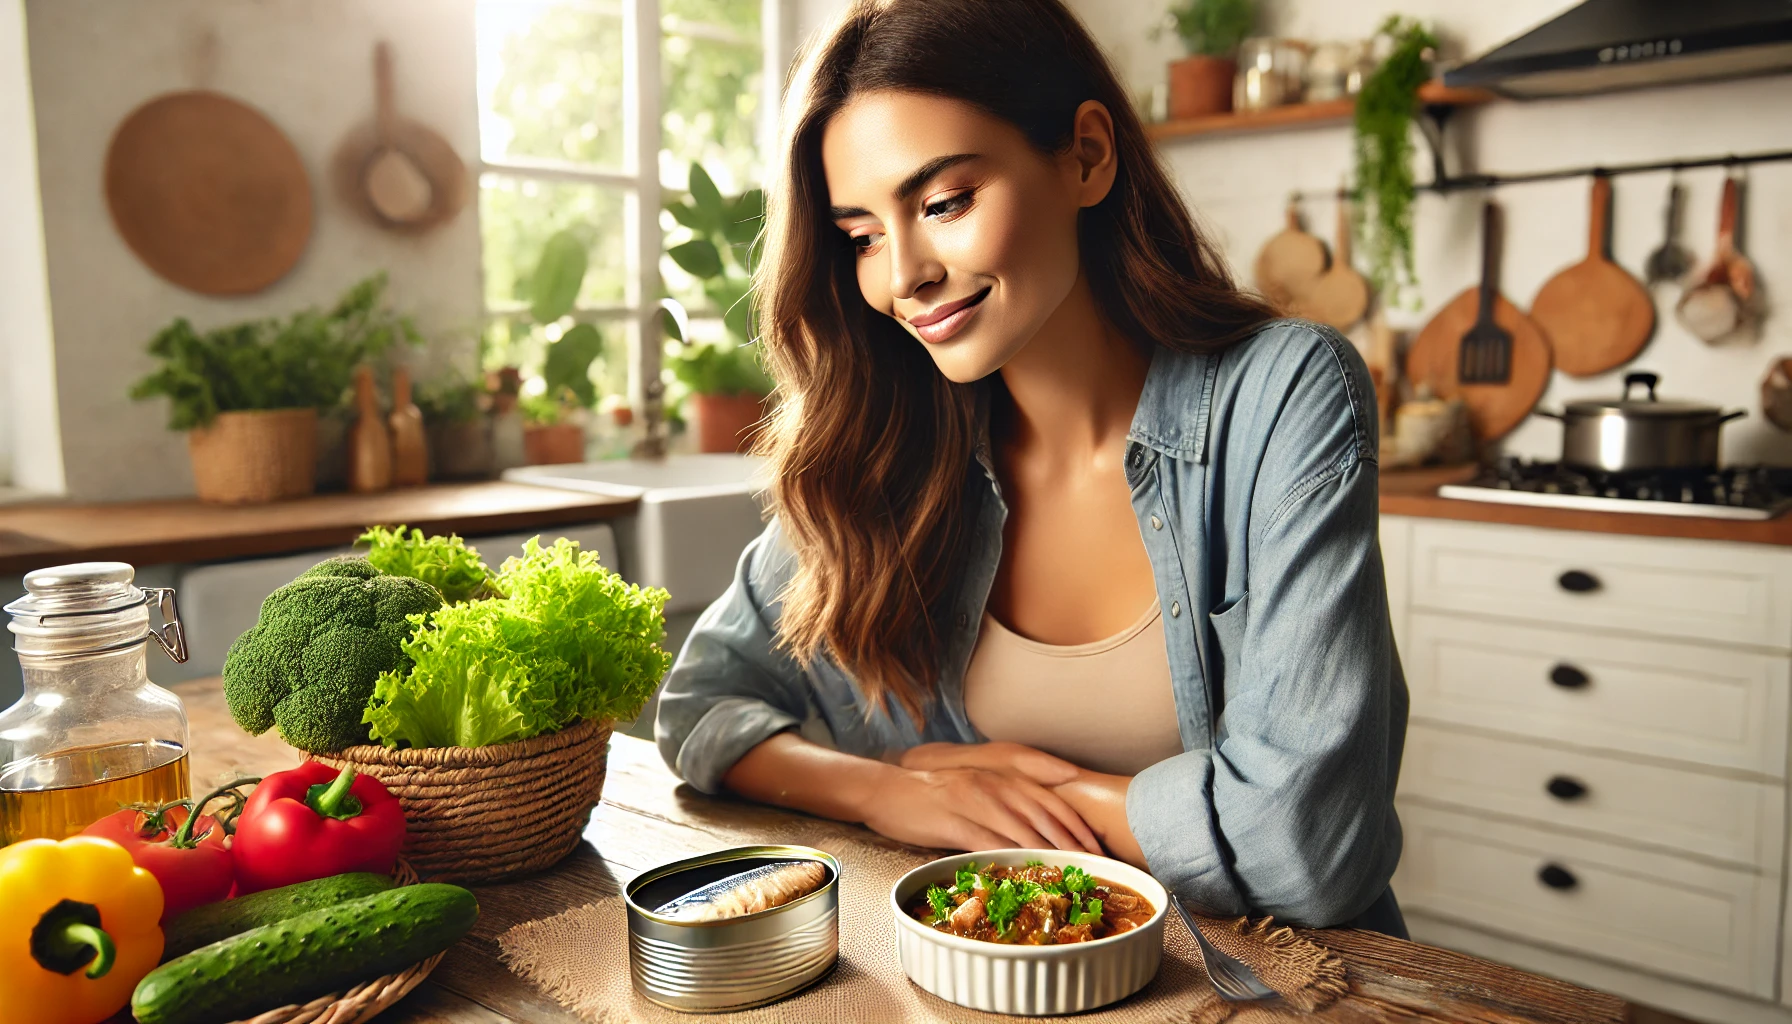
[
  {"x": 1156, "y": 523},
  {"x": 962, "y": 619},
  {"x": 1175, "y": 609}
]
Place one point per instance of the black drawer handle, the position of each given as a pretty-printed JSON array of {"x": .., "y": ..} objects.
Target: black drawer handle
[
  {"x": 1568, "y": 677},
  {"x": 1564, "y": 788},
  {"x": 1577, "y": 582},
  {"x": 1557, "y": 877}
]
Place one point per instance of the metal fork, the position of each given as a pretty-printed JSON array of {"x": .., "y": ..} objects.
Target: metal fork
[{"x": 1232, "y": 978}]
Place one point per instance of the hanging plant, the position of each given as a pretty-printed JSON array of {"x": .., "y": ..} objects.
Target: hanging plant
[{"x": 1384, "y": 181}]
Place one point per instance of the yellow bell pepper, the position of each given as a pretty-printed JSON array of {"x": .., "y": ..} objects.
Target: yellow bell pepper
[{"x": 79, "y": 930}]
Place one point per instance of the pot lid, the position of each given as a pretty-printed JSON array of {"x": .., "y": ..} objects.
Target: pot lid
[{"x": 1645, "y": 407}]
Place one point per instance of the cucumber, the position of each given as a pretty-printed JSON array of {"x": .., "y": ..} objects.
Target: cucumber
[
  {"x": 301, "y": 958},
  {"x": 205, "y": 925}
]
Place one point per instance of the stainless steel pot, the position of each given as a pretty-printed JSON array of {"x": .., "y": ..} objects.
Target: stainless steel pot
[{"x": 1628, "y": 435}]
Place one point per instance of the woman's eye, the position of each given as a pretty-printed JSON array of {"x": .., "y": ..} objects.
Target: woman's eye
[
  {"x": 949, "y": 205},
  {"x": 865, "y": 243}
]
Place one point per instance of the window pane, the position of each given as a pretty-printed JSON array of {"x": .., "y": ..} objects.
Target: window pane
[
  {"x": 711, "y": 110},
  {"x": 550, "y": 80},
  {"x": 516, "y": 216},
  {"x": 739, "y": 16},
  {"x": 515, "y": 341}
]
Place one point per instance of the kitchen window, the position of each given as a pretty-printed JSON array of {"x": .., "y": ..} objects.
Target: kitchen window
[{"x": 572, "y": 93}]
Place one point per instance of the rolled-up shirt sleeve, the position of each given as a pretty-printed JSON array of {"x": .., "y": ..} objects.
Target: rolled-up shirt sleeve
[
  {"x": 732, "y": 686},
  {"x": 1291, "y": 813}
]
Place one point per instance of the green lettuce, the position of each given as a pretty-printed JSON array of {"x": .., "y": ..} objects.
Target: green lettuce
[
  {"x": 569, "y": 641},
  {"x": 445, "y": 563}
]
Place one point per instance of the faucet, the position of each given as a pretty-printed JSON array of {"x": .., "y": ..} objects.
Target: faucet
[{"x": 653, "y": 442}]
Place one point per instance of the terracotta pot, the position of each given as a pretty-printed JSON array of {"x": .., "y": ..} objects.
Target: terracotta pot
[
  {"x": 1200, "y": 86},
  {"x": 554, "y": 445},
  {"x": 246, "y": 458},
  {"x": 461, "y": 451},
  {"x": 726, "y": 423}
]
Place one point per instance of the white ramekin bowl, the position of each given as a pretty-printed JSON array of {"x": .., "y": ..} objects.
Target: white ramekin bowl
[{"x": 1029, "y": 980}]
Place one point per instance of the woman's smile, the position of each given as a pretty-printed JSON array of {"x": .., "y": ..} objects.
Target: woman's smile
[{"x": 947, "y": 319}]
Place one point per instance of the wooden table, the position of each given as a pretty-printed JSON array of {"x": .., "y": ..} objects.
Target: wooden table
[
  {"x": 162, "y": 532},
  {"x": 647, "y": 818}
]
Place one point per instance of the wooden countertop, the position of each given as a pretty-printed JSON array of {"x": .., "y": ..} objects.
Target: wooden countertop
[
  {"x": 648, "y": 817},
  {"x": 162, "y": 532},
  {"x": 1414, "y": 493}
]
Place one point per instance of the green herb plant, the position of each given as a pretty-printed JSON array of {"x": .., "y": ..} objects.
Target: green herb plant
[
  {"x": 445, "y": 563},
  {"x": 450, "y": 399},
  {"x": 568, "y": 641},
  {"x": 715, "y": 225},
  {"x": 553, "y": 292},
  {"x": 305, "y": 360},
  {"x": 1384, "y": 192},
  {"x": 1213, "y": 28}
]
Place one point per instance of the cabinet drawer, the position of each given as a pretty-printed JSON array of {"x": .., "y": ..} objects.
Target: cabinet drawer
[
  {"x": 1687, "y": 810},
  {"x": 1704, "y": 590},
  {"x": 1706, "y": 705},
  {"x": 1658, "y": 912}
]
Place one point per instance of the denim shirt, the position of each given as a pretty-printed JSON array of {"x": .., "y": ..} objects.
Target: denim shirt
[{"x": 1253, "y": 475}]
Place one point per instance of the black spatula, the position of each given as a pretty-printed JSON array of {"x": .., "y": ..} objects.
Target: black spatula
[{"x": 1486, "y": 353}]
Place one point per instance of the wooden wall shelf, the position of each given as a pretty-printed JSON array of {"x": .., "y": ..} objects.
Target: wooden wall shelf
[{"x": 1303, "y": 115}]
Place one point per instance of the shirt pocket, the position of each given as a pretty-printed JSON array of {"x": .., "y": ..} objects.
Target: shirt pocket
[{"x": 1229, "y": 621}]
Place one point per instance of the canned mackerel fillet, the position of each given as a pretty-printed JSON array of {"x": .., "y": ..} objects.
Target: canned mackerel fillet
[{"x": 699, "y": 941}]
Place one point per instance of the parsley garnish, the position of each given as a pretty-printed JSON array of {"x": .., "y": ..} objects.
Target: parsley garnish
[
  {"x": 966, "y": 879},
  {"x": 1076, "y": 880},
  {"x": 1080, "y": 915},
  {"x": 1035, "y": 863},
  {"x": 941, "y": 901},
  {"x": 1005, "y": 900}
]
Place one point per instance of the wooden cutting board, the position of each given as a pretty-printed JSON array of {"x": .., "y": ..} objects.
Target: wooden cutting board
[
  {"x": 1595, "y": 315},
  {"x": 1289, "y": 263},
  {"x": 1435, "y": 357},
  {"x": 1340, "y": 297},
  {"x": 208, "y": 193}
]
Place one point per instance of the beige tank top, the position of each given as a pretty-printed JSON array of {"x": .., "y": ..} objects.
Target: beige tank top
[{"x": 1106, "y": 706}]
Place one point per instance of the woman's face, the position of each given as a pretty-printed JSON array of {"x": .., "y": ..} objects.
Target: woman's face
[{"x": 965, "y": 234}]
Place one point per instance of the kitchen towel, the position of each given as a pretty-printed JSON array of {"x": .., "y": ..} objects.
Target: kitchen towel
[{"x": 580, "y": 957}]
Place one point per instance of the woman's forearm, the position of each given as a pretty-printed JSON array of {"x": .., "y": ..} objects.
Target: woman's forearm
[
  {"x": 1101, "y": 800},
  {"x": 789, "y": 771}
]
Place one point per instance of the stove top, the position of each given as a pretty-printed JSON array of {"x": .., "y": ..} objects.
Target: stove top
[{"x": 1737, "y": 492}]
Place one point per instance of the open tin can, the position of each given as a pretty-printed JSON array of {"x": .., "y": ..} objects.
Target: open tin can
[{"x": 734, "y": 964}]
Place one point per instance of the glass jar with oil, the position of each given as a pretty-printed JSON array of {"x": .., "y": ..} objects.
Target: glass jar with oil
[{"x": 92, "y": 732}]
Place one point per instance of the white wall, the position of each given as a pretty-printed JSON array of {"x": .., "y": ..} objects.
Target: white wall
[
  {"x": 1239, "y": 184},
  {"x": 306, "y": 64},
  {"x": 30, "y": 449}
]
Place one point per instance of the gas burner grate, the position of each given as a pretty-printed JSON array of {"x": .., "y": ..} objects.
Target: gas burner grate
[{"x": 1736, "y": 492}]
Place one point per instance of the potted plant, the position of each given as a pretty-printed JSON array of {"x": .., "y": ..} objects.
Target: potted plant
[
  {"x": 460, "y": 432},
  {"x": 248, "y": 395},
  {"x": 1201, "y": 83},
  {"x": 553, "y": 429},
  {"x": 1383, "y": 197},
  {"x": 726, "y": 384}
]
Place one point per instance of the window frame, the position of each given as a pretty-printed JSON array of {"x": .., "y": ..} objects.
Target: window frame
[{"x": 638, "y": 181}]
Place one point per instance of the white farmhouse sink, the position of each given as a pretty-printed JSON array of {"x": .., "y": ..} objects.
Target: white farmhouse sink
[{"x": 697, "y": 513}]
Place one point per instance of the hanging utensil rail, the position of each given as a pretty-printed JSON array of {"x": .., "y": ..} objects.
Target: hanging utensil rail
[{"x": 1447, "y": 183}]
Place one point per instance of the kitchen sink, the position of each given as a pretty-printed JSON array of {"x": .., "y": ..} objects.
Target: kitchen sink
[{"x": 697, "y": 513}]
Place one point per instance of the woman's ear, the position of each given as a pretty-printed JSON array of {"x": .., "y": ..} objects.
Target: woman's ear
[{"x": 1092, "y": 147}]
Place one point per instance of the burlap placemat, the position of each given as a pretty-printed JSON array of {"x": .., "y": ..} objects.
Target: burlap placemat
[{"x": 580, "y": 957}]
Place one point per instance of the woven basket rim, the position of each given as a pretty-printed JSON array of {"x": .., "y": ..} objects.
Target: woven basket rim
[{"x": 467, "y": 757}]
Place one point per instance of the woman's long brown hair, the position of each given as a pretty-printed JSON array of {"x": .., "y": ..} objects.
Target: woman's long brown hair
[{"x": 871, "y": 444}]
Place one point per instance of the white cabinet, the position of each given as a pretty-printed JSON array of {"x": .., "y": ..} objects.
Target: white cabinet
[{"x": 1596, "y": 764}]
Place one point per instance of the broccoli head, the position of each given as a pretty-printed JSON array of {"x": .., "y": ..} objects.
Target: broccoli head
[{"x": 310, "y": 661}]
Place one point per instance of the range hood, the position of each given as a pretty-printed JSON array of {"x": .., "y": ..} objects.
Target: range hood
[{"x": 1605, "y": 45}]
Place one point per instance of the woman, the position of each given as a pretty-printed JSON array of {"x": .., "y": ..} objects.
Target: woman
[{"x": 1074, "y": 544}]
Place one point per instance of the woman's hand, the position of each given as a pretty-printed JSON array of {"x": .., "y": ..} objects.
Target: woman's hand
[{"x": 974, "y": 808}]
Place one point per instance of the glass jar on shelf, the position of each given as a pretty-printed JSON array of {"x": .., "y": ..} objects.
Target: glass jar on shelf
[
  {"x": 91, "y": 732},
  {"x": 1269, "y": 73}
]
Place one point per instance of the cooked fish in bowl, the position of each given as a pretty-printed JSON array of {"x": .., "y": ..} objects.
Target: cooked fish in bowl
[
  {"x": 1036, "y": 932},
  {"x": 1036, "y": 904}
]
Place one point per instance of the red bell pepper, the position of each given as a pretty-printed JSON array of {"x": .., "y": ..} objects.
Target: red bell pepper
[
  {"x": 186, "y": 851},
  {"x": 313, "y": 822}
]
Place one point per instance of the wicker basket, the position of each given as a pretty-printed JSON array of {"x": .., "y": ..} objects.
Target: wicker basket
[
  {"x": 364, "y": 1001},
  {"x": 251, "y": 457},
  {"x": 481, "y": 814}
]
